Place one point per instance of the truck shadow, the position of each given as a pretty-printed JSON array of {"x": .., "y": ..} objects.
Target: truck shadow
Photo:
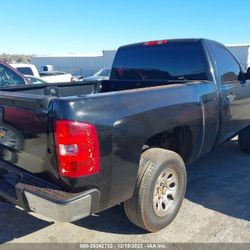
[
  {"x": 16, "y": 223},
  {"x": 220, "y": 181},
  {"x": 112, "y": 220}
]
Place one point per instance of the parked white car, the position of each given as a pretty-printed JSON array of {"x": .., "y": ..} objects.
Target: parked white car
[
  {"x": 56, "y": 76},
  {"x": 26, "y": 69},
  {"x": 48, "y": 76}
]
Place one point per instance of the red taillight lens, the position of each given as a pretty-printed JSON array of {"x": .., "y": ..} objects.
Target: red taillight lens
[{"x": 77, "y": 148}]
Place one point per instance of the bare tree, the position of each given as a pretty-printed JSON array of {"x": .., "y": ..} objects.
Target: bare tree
[{"x": 8, "y": 58}]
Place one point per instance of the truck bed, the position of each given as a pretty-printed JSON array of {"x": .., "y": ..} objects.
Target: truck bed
[
  {"x": 84, "y": 88},
  {"x": 54, "y": 90},
  {"x": 28, "y": 113}
]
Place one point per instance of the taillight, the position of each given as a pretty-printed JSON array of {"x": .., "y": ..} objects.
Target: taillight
[
  {"x": 153, "y": 43},
  {"x": 77, "y": 148}
]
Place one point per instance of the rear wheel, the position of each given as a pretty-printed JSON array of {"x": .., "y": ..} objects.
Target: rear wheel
[
  {"x": 244, "y": 139},
  {"x": 2, "y": 172},
  {"x": 159, "y": 191}
]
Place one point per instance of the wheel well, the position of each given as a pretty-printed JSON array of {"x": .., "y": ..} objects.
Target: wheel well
[{"x": 178, "y": 140}]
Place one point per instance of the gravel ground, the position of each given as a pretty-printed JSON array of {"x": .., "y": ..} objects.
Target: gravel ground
[{"x": 216, "y": 209}]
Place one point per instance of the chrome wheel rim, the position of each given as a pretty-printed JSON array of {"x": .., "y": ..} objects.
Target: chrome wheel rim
[{"x": 164, "y": 196}]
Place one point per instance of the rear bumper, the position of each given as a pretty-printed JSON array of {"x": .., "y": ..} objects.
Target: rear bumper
[
  {"x": 36, "y": 195},
  {"x": 57, "y": 205}
]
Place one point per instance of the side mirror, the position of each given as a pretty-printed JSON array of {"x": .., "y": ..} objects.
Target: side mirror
[{"x": 247, "y": 74}]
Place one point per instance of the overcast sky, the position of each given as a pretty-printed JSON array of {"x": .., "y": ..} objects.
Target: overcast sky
[{"x": 90, "y": 26}]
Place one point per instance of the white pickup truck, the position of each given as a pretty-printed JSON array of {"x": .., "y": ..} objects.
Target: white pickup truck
[{"x": 48, "y": 76}]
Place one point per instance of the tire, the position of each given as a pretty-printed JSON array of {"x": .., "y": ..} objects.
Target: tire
[
  {"x": 154, "y": 206},
  {"x": 2, "y": 172},
  {"x": 244, "y": 140}
]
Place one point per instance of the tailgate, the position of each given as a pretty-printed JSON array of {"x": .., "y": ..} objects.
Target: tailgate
[{"x": 24, "y": 130}]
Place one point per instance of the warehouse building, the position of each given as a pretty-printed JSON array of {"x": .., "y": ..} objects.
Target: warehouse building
[
  {"x": 87, "y": 65},
  {"x": 77, "y": 64}
]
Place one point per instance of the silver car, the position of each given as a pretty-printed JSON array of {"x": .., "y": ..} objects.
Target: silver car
[{"x": 103, "y": 74}]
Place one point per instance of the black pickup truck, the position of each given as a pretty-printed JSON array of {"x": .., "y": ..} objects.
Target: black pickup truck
[{"x": 72, "y": 150}]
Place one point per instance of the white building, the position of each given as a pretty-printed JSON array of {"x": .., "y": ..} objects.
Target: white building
[
  {"x": 78, "y": 64},
  {"x": 87, "y": 65},
  {"x": 242, "y": 52}
]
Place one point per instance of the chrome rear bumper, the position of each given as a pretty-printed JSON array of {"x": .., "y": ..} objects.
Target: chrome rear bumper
[{"x": 37, "y": 195}]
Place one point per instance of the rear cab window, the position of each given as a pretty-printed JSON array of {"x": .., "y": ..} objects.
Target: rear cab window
[
  {"x": 25, "y": 71},
  {"x": 173, "y": 60}
]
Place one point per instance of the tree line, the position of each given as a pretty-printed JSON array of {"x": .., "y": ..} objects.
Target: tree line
[{"x": 8, "y": 58}]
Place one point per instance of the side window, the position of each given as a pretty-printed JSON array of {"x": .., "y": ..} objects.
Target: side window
[
  {"x": 228, "y": 68},
  {"x": 9, "y": 77}
]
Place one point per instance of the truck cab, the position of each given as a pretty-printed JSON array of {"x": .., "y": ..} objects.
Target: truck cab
[{"x": 26, "y": 69}]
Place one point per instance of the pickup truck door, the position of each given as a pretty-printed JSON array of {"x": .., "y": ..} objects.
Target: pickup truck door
[{"x": 234, "y": 93}]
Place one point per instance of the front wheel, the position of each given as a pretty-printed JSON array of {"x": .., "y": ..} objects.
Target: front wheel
[
  {"x": 244, "y": 140},
  {"x": 159, "y": 190}
]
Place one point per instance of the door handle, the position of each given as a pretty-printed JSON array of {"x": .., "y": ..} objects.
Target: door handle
[{"x": 231, "y": 97}]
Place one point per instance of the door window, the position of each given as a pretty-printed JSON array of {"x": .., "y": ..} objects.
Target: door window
[{"x": 228, "y": 68}]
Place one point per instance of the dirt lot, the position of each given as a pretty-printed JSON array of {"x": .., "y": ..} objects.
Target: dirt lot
[{"x": 216, "y": 209}]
